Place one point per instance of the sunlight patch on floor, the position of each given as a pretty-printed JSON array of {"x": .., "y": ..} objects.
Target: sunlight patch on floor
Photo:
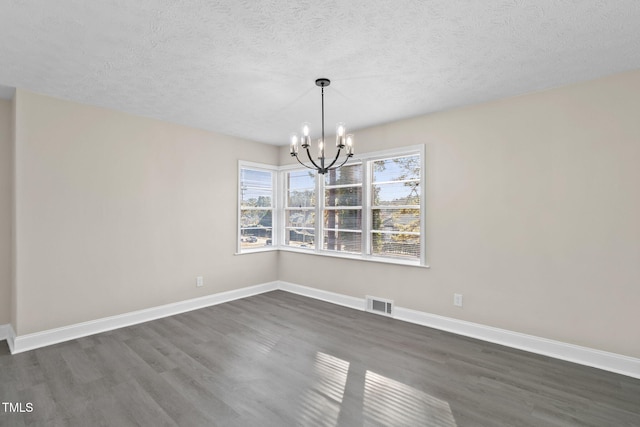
[
  {"x": 321, "y": 403},
  {"x": 265, "y": 342},
  {"x": 389, "y": 402}
]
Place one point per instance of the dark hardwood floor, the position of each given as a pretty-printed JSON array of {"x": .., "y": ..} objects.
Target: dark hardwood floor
[{"x": 279, "y": 359}]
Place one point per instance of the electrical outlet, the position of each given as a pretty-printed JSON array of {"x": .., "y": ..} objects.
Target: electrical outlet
[
  {"x": 199, "y": 281},
  {"x": 457, "y": 300}
]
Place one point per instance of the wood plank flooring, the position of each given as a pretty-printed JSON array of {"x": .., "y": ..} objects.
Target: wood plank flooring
[{"x": 280, "y": 359}]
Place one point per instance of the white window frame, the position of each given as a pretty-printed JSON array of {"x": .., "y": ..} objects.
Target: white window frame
[
  {"x": 367, "y": 160},
  {"x": 283, "y": 203},
  {"x": 275, "y": 229},
  {"x": 368, "y": 206},
  {"x": 321, "y": 208}
]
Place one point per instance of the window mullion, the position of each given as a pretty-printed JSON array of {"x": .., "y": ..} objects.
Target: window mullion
[
  {"x": 278, "y": 221},
  {"x": 423, "y": 207},
  {"x": 366, "y": 208}
]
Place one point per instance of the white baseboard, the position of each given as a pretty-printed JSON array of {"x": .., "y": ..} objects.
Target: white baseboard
[
  {"x": 607, "y": 361},
  {"x": 54, "y": 336},
  {"x": 319, "y": 294}
]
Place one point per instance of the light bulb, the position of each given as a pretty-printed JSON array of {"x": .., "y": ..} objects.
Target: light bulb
[
  {"x": 340, "y": 129},
  {"x": 350, "y": 139},
  {"x": 305, "y": 139},
  {"x": 294, "y": 144}
]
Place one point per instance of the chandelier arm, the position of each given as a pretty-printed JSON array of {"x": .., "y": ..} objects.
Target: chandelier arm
[
  {"x": 341, "y": 164},
  {"x": 306, "y": 166},
  {"x": 312, "y": 162},
  {"x": 335, "y": 159}
]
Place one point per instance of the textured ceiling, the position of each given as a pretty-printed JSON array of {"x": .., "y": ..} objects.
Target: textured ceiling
[{"x": 247, "y": 67}]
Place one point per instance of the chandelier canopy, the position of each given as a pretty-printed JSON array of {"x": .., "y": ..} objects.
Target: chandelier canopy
[{"x": 343, "y": 141}]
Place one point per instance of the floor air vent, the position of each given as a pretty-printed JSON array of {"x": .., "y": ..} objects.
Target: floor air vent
[{"x": 380, "y": 305}]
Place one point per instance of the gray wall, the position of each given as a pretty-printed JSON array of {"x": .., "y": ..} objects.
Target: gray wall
[
  {"x": 533, "y": 214},
  {"x": 116, "y": 213},
  {"x": 5, "y": 210}
]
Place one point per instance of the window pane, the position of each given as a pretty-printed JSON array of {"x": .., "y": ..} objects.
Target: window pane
[
  {"x": 301, "y": 199},
  {"x": 397, "y": 169},
  {"x": 346, "y": 196},
  {"x": 396, "y": 193},
  {"x": 343, "y": 241},
  {"x": 300, "y": 237},
  {"x": 403, "y": 220},
  {"x": 348, "y": 174},
  {"x": 342, "y": 227},
  {"x": 301, "y": 180},
  {"x": 395, "y": 245},
  {"x": 257, "y": 218},
  {"x": 343, "y": 219},
  {"x": 300, "y": 218},
  {"x": 299, "y": 223},
  {"x": 255, "y": 238},
  {"x": 301, "y": 189},
  {"x": 395, "y": 232},
  {"x": 255, "y": 188}
]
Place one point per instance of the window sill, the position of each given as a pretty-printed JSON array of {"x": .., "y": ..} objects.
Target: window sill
[
  {"x": 258, "y": 250},
  {"x": 355, "y": 257}
]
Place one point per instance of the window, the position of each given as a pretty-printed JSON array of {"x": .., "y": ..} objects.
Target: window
[
  {"x": 342, "y": 210},
  {"x": 256, "y": 200},
  {"x": 395, "y": 207},
  {"x": 372, "y": 208},
  {"x": 300, "y": 209}
]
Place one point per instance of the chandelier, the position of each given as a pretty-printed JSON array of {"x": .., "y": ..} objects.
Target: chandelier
[{"x": 343, "y": 142}]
